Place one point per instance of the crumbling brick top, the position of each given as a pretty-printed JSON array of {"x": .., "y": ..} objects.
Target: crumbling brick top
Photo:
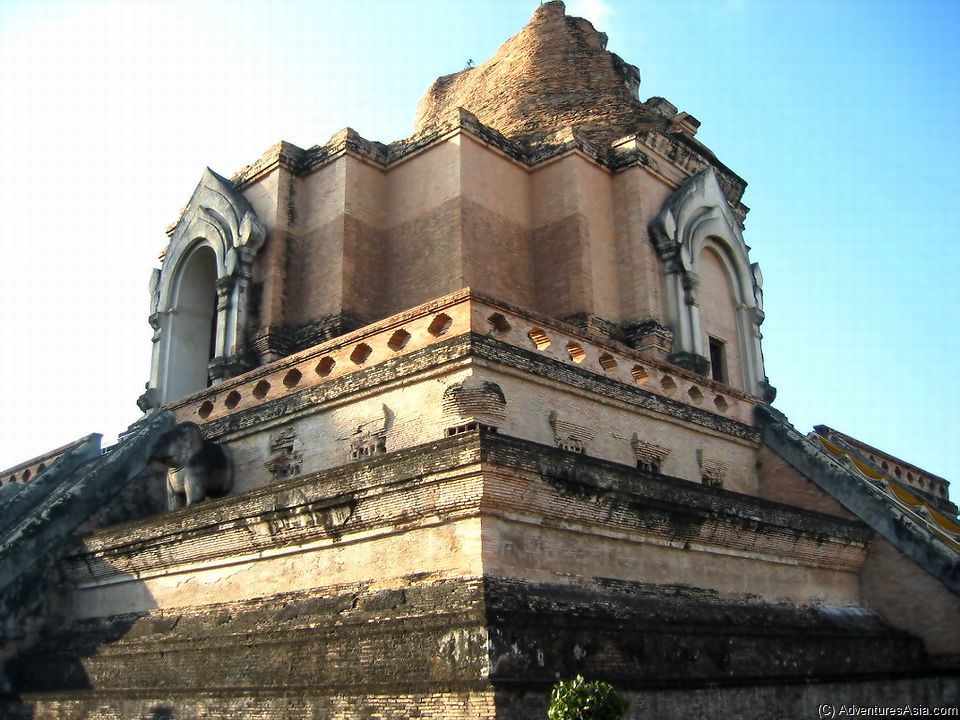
[{"x": 555, "y": 73}]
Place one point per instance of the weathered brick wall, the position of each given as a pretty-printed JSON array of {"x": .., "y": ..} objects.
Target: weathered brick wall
[
  {"x": 359, "y": 230},
  {"x": 911, "y": 598},
  {"x": 270, "y": 197},
  {"x": 762, "y": 702},
  {"x": 263, "y": 706},
  {"x": 426, "y": 636},
  {"x": 422, "y": 257},
  {"x": 594, "y": 188},
  {"x": 498, "y": 256},
  {"x": 411, "y": 413},
  {"x": 461, "y": 507},
  {"x": 498, "y": 259},
  {"x": 780, "y": 482},
  {"x": 423, "y": 220},
  {"x": 637, "y": 198},
  {"x": 556, "y": 517},
  {"x": 364, "y": 272},
  {"x": 328, "y": 405},
  {"x": 315, "y": 251},
  {"x": 364, "y": 232},
  {"x": 637, "y": 635}
]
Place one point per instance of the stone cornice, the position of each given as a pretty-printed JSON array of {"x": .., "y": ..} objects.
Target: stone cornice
[{"x": 671, "y": 155}]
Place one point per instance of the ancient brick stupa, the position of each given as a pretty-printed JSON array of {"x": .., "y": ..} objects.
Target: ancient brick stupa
[{"x": 432, "y": 424}]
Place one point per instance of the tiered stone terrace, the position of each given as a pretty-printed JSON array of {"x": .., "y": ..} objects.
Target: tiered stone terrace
[{"x": 466, "y": 361}]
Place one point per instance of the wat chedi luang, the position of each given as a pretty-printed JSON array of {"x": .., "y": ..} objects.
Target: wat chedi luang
[{"x": 431, "y": 424}]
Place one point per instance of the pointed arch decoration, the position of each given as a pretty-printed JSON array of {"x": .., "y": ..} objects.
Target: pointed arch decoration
[
  {"x": 218, "y": 219},
  {"x": 695, "y": 216}
]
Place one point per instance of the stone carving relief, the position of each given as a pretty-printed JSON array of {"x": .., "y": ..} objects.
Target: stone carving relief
[
  {"x": 368, "y": 444},
  {"x": 712, "y": 472},
  {"x": 220, "y": 223},
  {"x": 650, "y": 456},
  {"x": 370, "y": 437},
  {"x": 473, "y": 404},
  {"x": 286, "y": 454},
  {"x": 697, "y": 214},
  {"x": 570, "y": 436},
  {"x": 305, "y": 518}
]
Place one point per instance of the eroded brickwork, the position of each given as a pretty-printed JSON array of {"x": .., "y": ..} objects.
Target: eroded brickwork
[
  {"x": 554, "y": 73},
  {"x": 261, "y": 705}
]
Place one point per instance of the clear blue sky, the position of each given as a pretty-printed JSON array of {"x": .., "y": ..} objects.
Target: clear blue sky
[{"x": 840, "y": 114}]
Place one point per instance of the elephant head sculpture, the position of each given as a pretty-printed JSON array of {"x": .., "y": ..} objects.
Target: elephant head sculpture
[{"x": 197, "y": 469}]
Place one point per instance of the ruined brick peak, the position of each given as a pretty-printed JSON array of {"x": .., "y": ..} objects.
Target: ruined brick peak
[{"x": 554, "y": 74}]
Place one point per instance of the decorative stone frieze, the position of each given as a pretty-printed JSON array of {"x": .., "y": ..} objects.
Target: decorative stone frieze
[
  {"x": 650, "y": 456},
  {"x": 474, "y": 401},
  {"x": 712, "y": 471},
  {"x": 570, "y": 436},
  {"x": 286, "y": 454},
  {"x": 370, "y": 437}
]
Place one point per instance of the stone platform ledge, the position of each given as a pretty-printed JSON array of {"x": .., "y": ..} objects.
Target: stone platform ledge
[
  {"x": 462, "y": 313},
  {"x": 747, "y": 701},
  {"x": 753, "y": 700},
  {"x": 471, "y": 477},
  {"x": 468, "y": 635}
]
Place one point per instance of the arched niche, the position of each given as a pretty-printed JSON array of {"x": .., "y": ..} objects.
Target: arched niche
[
  {"x": 697, "y": 219},
  {"x": 719, "y": 300},
  {"x": 192, "y": 324},
  {"x": 212, "y": 248}
]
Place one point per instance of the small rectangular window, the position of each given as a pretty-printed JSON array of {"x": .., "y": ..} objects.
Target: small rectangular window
[{"x": 718, "y": 360}]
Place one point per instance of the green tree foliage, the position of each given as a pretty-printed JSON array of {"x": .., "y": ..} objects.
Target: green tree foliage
[{"x": 578, "y": 699}]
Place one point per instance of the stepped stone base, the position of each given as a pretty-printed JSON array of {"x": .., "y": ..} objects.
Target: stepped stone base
[
  {"x": 475, "y": 648},
  {"x": 461, "y": 579},
  {"x": 259, "y": 706},
  {"x": 800, "y": 700}
]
